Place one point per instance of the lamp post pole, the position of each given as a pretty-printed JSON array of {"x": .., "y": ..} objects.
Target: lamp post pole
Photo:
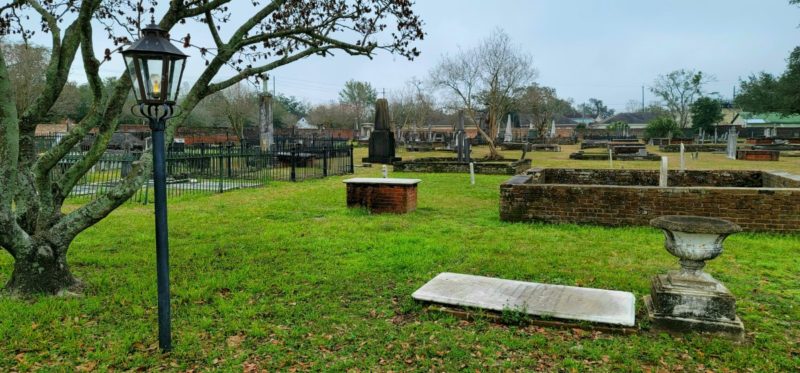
[
  {"x": 156, "y": 69},
  {"x": 162, "y": 241}
]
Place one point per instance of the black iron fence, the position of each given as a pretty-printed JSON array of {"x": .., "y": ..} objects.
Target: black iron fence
[{"x": 214, "y": 168}]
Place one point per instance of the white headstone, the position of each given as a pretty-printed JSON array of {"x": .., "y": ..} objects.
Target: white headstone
[
  {"x": 558, "y": 301},
  {"x": 553, "y": 129},
  {"x": 732, "y": 140},
  {"x": 663, "y": 175},
  {"x": 472, "y": 173},
  {"x": 508, "y": 137},
  {"x": 610, "y": 158},
  {"x": 385, "y": 171},
  {"x": 683, "y": 157}
]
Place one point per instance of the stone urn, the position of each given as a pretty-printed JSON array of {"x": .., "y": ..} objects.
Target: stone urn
[{"x": 690, "y": 299}]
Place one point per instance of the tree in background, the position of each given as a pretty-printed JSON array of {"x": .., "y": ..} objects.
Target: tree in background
[
  {"x": 543, "y": 103},
  {"x": 633, "y": 106},
  {"x": 360, "y": 97},
  {"x": 34, "y": 228},
  {"x": 411, "y": 108},
  {"x": 25, "y": 64},
  {"x": 679, "y": 89},
  {"x": 661, "y": 127},
  {"x": 236, "y": 107},
  {"x": 493, "y": 74},
  {"x": 765, "y": 93},
  {"x": 619, "y": 128},
  {"x": 332, "y": 115},
  {"x": 596, "y": 109},
  {"x": 706, "y": 112}
]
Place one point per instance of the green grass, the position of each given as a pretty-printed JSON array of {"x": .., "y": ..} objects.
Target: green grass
[{"x": 286, "y": 276}]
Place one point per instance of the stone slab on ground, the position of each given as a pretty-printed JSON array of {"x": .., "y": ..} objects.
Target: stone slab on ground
[{"x": 544, "y": 300}]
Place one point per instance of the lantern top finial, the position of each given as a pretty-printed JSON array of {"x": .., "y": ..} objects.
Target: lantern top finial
[{"x": 154, "y": 40}]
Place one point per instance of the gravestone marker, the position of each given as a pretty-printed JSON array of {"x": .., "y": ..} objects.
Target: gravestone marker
[
  {"x": 508, "y": 136},
  {"x": 683, "y": 157},
  {"x": 732, "y": 140},
  {"x": 461, "y": 141},
  {"x": 381, "y": 140},
  {"x": 558, "y": 301}
]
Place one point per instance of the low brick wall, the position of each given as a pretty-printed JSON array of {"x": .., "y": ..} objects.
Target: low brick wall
[
  {"x": 544, "y": 195},
  {"x": 581, "y": 156},
  {"x": 693, "y": 148},
  {"x": 383, "y": 198},
  {"x": 758, "y": 155},
  {"x": 450, "y": 165},
  {"x": 779, "y": 179},
  {"x": 689, "y": 178}
]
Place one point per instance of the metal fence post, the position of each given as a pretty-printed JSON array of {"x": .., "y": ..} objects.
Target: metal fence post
[
  {"x": 230, "y": 164},
  {"x": 293, "y": 155},
  {"x": 325, "y": 162},
  {"x": 221, "y": 171},
  {"x": 352, "y": 164}
]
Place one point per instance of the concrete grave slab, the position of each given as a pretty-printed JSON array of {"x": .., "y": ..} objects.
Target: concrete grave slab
[{"x": 557, "y": 301}]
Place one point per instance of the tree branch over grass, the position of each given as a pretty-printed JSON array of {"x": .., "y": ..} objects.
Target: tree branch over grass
[{"x": 275, "y": 33}]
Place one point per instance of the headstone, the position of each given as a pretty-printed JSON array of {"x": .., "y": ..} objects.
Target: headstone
[
  {"x": 381, "y": 140},
  {"x": 472, "y": 173},
  {"x": 553, "y": 129},
  {"x": 385, "y": 172},
  {"x": 557, "y": 301},
  {"x": 508, "y": 136},
  {"x": 683, "y": 157},
  {"x": 732, "y": 140},
  {"x": 663, "y": 174},
  {"x": 610, "y": 158}
]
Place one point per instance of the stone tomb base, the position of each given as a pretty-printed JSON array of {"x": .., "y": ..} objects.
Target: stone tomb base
[
  {"x": 381, "y": 195},
  {"x": 707, "y": 307},
  {"x": 542, "y": 300}
]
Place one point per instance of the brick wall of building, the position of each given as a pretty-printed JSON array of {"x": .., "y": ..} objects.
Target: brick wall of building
[
  {"x": 755, "y": 209},
  {"x": 383, "y": 198}
]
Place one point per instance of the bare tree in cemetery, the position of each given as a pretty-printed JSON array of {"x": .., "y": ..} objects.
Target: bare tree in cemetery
[
  {"x": 544, "y": 105},
  {"x": 360, "y": 96},
  {"x": 492, "y": 75},
  {"x": 34, "y": 229},
  {"x": 679, "y": 89},
  {"x": 236, "y": 105}
]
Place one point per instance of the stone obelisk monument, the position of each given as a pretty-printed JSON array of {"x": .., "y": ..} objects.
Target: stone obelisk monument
[
  {"x": 381, "y": 141},
  {"x": 265, "y": 127}
]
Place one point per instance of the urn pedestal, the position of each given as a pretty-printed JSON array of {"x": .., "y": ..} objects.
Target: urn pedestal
[{"x": 689, "y": 299}]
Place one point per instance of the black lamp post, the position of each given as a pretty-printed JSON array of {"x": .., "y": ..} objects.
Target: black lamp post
[{"x": 156, "y": 68}]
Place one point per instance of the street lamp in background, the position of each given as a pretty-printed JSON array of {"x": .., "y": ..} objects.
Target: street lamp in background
[{"x": 156, "y": 68}]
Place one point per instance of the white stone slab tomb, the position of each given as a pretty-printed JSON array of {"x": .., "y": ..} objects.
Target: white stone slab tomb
[{"x": 557, "y": 301}]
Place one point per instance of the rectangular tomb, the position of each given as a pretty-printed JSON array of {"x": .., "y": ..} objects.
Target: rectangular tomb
[
  {"x": 557, "y": 301},
  {"x": 756, "y": 200},
  {"x": 381, "y": 195}
]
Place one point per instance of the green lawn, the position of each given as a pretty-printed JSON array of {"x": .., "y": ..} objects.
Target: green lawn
[{"x": 286, "y": 277}]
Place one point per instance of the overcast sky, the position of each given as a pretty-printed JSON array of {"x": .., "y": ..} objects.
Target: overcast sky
[{"x": 606, "y": 49}]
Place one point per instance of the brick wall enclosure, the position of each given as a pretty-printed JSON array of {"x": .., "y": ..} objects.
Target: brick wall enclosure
[
  {"x": 383, "y": 198},
  {"x": 758, "y": 155},
  {"x": 450, "y": 165},
  {"x": 754, "y": 200}
]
